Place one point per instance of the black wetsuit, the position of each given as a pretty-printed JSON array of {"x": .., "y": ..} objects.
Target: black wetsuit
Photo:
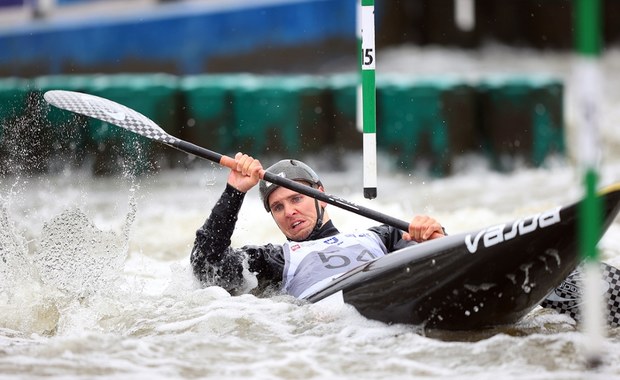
[{"x": 214, "y": 262}]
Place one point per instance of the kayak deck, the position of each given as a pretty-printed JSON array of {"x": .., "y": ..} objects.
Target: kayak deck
[{"x": 490, "y": 277}]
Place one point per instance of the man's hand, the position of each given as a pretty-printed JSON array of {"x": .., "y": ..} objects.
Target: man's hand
[
  {"x": 246, "y": 173},
  {"x": 423, "y": 228}
]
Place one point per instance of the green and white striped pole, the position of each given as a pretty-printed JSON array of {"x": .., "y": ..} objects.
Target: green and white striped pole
[
  {"x": 369, "y": 119},
  {"x": 465, "y": 14},
  {"x": 589, "y": 84}
]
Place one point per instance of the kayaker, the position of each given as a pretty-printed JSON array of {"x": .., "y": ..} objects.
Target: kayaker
[{"x": 315, "y": 250}]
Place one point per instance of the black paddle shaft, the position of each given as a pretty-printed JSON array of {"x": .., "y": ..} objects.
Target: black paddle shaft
[
  {"x": 133, "y": 121},
  {"x": 296, "y": 186}
]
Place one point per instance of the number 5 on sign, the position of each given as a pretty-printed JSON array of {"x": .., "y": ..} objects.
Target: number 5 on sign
[
  {"x": 369, "y": 58},
  {"x": 368, "y": 35}
]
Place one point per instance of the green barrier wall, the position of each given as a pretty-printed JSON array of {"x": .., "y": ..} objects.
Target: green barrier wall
[
  {"x": 521, "y": 119},
  {"x": 208, "y": 109},
  {"x": 13, "y": 95},
  {"x": 13, "y": 104},
  {"x": 341, "y": 102},
  {"x": 279, "y": 114},
  {"x": 411, "y": 121},
  {"x": 421, "y": 122}
]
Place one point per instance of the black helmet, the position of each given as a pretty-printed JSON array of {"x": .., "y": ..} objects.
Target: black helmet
[{"x": 292, "y": 169}]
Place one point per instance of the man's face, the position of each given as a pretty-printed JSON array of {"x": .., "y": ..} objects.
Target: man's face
[{"x": 294, "y": 213}]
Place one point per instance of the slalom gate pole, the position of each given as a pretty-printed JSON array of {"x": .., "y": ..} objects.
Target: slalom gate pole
[
  {"x": 588, "y": 76},
  {"x": 465, "y": 14},
  {"x": 369, "y": 104}
]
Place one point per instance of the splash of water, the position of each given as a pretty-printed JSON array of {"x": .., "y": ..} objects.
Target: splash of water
[
  {"x": 79, "y": 259},
  {"x": 74, "y": 262},
  {"x": 14, "y": 266},
  {"x": 19, "y": 282}
]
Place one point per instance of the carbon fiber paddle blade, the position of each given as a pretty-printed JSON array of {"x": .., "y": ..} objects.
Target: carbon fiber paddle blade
[
  {"x": 110, "y": 112},
  {"x": 567, "y": 298}
]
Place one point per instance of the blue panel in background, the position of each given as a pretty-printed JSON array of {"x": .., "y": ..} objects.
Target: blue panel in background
[
  {"x": 68, "y": 2},
  {"x": 12, "y": 3},
  {"x": 183, "y": 35}
]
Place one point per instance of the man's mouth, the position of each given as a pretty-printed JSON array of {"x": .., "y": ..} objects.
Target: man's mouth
[{"x": 294, "y": 225}]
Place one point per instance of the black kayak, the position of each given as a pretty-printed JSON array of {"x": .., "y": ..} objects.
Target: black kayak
[{"x": 485, "y": 278}]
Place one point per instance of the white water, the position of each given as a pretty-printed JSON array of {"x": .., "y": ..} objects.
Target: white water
[{"x": 117, "y": 299}]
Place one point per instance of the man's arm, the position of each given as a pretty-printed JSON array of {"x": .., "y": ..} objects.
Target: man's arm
[
  {"x": 212, "y": 259},
  {"x": 422, "y": 227},
  {"x": 214, "y": 262},
  {"x": 391, "y": 237}
]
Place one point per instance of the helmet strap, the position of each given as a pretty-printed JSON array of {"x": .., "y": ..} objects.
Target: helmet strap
[
  {"x": 319, "y": 215},
  {"x": 319, "y": 221}
]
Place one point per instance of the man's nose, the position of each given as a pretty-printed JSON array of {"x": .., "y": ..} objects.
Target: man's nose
[{"x": 289, "y": 209}]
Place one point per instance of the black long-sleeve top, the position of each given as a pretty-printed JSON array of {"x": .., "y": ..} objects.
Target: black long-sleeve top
[{"x": 214, "y": 262}]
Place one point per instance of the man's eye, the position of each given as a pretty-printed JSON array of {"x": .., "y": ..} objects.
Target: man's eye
[
  {"x": 297, "y": 199},
  {"x": 276, "y": 208}
]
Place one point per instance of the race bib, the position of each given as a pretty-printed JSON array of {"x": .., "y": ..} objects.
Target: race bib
[{"x": 310, "y": 262}]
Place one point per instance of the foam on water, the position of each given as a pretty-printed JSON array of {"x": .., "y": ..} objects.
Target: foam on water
[
  {"x": 78, "y": 258},
  {"x": 69, "y": 261},
  {"x": 116, "y": 311}
]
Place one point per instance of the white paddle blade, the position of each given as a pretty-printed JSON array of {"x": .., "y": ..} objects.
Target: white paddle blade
[{"x": 110, "y": 112}]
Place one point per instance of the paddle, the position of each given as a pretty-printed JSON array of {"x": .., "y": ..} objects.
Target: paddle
[
  {"x": 567, "y": 298},
  {"x": 131, "y": 120}
]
